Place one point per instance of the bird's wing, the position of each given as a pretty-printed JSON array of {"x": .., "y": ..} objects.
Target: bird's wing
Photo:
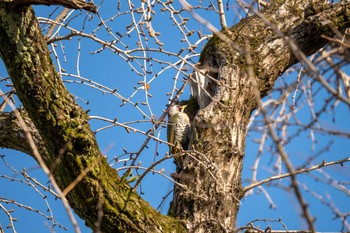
[{"x": 170, "y": 131}]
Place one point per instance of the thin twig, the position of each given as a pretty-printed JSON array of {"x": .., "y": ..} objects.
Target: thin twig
[{"x": 296, "y": 172}]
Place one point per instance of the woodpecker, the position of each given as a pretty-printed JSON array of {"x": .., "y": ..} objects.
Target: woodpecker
[{"x": 179, "y": 129}]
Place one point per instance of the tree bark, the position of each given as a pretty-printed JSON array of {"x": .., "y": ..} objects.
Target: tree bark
[
  {"x": 63, "y": 126},
  {"x": 244, "y": 68},
  {"x": 73, "y": 4},
  {"x": 15, "y": 137}
]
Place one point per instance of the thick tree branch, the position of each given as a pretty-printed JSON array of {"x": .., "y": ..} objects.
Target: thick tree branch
[
  {"x": 12, "y": 135},
  {"x": 73, "y": 4}
]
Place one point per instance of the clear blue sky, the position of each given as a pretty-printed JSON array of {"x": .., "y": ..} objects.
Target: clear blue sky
[{"x": 110, "y": 70}]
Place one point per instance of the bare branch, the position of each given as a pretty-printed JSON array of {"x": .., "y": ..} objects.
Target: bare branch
[
  {"x": 296, "y": 172},
  {"x": 222, "y": 15}
]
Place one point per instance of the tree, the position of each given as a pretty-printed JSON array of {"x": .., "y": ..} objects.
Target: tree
[{"x": 237, "y": 68}]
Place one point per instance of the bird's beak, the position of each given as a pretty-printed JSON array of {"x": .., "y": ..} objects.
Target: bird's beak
[{"x": 183, "y": 107}]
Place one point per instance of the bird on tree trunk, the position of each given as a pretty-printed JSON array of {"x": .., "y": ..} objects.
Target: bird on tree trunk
[{"x": 179, "y": 129}]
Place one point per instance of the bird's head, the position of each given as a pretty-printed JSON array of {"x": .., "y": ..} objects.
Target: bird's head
[
  {"x": 182, "y": 108},
  {"x": 176, "y": 109}
]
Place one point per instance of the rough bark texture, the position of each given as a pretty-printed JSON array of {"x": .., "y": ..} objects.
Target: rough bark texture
[
  {"x": 213, "y": 178},
  {"x": 73, "y": 4},
  {"x": 256, "y": 53},
  {"x": 15, "y": 137},
  {"x": 64, "y": 128}
]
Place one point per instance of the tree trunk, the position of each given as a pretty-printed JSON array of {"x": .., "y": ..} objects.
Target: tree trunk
[{"x": 244, "y": 63}]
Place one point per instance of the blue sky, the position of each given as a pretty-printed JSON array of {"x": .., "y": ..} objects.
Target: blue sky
[{"x": 111, "y": 70}]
